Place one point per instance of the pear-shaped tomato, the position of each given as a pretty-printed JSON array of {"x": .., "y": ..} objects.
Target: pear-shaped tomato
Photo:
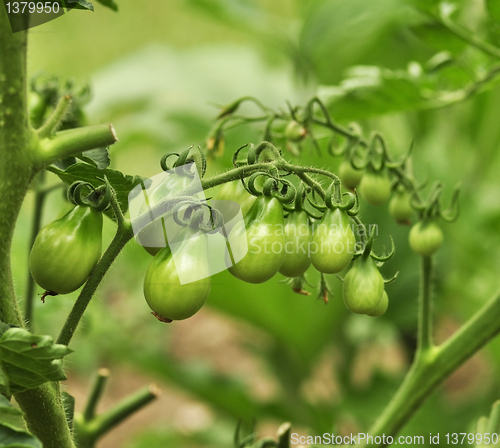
[
  {"x": 382, "y": 306},
  {"x": 363, "y": 286},
  {"x": 235, "y": 191},
  {"x": 297, "y": 235},
  {"x": 66, "y": 250},
  {"x": 164, "y": 293},
  {"x": 400, "y": 206},
  {"x": 349, "y": 175},
  {"x": 333, "y": 242},
  {"x": 426, "y": 237},
  {"x": 375, "y": 187},
  {"x": 153, "y": 236},
  {"x": 266, "y": 241}
]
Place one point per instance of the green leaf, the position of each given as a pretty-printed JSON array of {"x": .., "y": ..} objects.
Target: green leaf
[
  {"x": 109, "y": 3},
  {"x": 28, "y": 360},
  {"x": 121, "y": 183},
  {"x": 7, "y": 408},
  {"x": 493, "y": 8},
  {"x": 80, "y": 4},
  {"x": 98, "y": 157},
  {"x": 11, "y": 437},
  {"x": 370, "y": 91},
  {"x": 437, "y": 36},
  {"x": 429, "y": 6}
]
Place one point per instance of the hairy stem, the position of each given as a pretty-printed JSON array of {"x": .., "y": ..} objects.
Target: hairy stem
[
  {"x": 42, "y": 406},
  {"x": 56, "y": 117},
  {"x": 45, "y": 416}
]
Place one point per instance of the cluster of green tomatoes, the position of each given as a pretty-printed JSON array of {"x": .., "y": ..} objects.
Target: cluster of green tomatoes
[{"x": 283, "y": 237}]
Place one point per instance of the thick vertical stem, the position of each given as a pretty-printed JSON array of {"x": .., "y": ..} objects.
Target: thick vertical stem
[
  {"x": 45, "y": 416},
  {"x": 15, "y": 167},
  {"x": 44, "y": 412}
]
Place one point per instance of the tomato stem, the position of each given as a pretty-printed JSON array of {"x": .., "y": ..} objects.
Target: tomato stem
[
  {"x": 425, "y": 339},
  {"x": 96, "y": 392},
  {"x": 55, "y": 118}
]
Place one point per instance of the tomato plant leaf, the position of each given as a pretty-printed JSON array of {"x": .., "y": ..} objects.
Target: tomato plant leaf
[
  {"x": 98, "y": 157},
  {"x": 11, "y": 437},
  {"x": 28, "y": 360},
  {"x": 121, "y": 183},
  {"x": 370, "y": 90},
  {"x": 7, "y": 408},
  {"x": 109, "y": 3},
  {"x": 493, "y": 8},
  {"x": 79, "y": 4}
]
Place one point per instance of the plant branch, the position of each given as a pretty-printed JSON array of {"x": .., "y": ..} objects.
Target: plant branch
[
  {"x": 95, "y": 394},
  {"x": 45, "y": 416},
  {"x": 470, "y": 37},
  {"x": 56, "y": 117},
  {"x": 88, "y": 432},
  {"x": 425, "y": 307},
  {"x": 75, "y": 141},
  {"x": 433, "y": 366},
  {"x": 122, "y": 237}
]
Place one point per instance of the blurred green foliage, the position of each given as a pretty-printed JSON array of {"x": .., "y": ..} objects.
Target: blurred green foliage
[{"x": 158, "y": 68}]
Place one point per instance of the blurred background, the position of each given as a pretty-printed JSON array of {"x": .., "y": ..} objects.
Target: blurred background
[{"x": 159, "y": 71}]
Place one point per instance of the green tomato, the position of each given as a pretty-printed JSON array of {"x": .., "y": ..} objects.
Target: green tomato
[
  {"x": 266, "y": 241},
  {"x": 295, "y": 132},
  {"x": 154, "y": 231},
  {"x": 164, "y": 293},
  {"x": 426, "y": 237},
  {"x": 363, "y": 286},
  {"x": 382, "y": 306},
  {"x": 349, "y": 175},
  {"x": 66, "y": 250},
  {"x": 400, "y": 206},
  {"x": 333, "y": 242},
  {"x": 297, "y": 235},
  {"x": 375, "y": 187},
  {"x": 235, "y": 191}
]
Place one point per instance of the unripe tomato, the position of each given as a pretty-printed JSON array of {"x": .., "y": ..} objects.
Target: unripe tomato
[
  {"x": 266, "y": 241},
  {"x": 162, "y": 288},
  {"x": 154, "y": 231},
  {"x": 382, "y": 306},
  {"x": 235, "y": 191},
  {"x": 295, "y": 132},
  {"x": 66, "y": 250},
  {"x": 332, "y": 244},
  {"x": 426, "y": 237},
  {"x": 375, "y": 187},
  {"x": 363, "y": 286},
  {"x": 297, "y": 235},
  {"x": 349, "y": 175},
  {"x": 400, "y": 206}
]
